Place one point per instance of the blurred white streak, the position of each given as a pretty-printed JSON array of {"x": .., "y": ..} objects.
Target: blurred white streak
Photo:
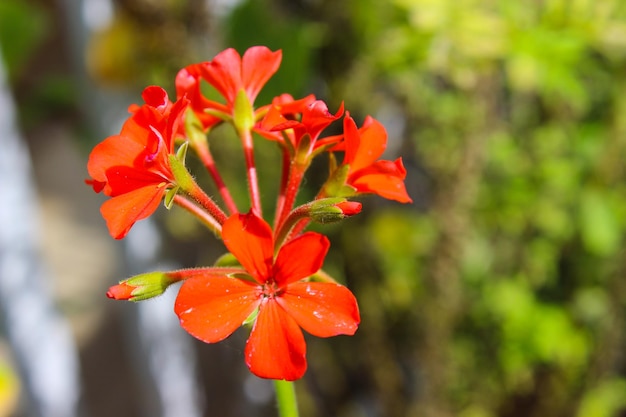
[
  {"x": 37, "y": 333},
  {"x": 165, "y": 348},
  {"x": 97, "y": 14}
]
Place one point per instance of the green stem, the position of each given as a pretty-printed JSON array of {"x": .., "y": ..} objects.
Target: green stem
[{"x": 286, "y": 398}]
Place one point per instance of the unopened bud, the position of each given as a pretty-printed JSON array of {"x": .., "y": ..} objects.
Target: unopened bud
[
  {"x": 330, "y": 210},
  {"x": 349, "y": 208},
  {"x": 142, "y": 287}
]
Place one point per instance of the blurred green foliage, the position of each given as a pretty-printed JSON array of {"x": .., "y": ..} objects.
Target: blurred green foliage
[
  {"x": 22, "y": 27},
  {"x": 503, "y": 295},
  {"x": 514, "y": 117}
]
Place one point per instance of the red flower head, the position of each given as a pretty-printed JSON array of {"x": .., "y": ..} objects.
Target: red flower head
[
  {"x": 367, "y": 174},
  {"x": 212, "y": 307},
  {"x": 133, "y": 167},
  {"x": 315, "y": 117},
  {"x": 228, "y": 73}
]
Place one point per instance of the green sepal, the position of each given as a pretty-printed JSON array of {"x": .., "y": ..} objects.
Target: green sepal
[
  {"x": 336, "y": 185},
  {"x": 324, "y": 211},
  {"x": 251, "y": 318},
  {"x": 287, "y": 144},
  {"x": 193, "y": 129},
  {"x": 228, "y": 259},
  {"x": 303, "y": 152},
  {"x": 149, "y": 285},
  {"x": 181, "y": 175},
  {"x": 242, "y": 276},
  {"x": 243, "y": 113},
  {"x": 324, "y": 148},
  {"x": 169, "y": 197},
  {"x": 322, "y": 276},
  {"x": 332, "y": 163},
  {"x": 326, "y": 202},
  {"x": 181, "y": 153},
  {"x": 219, "y": 114}
]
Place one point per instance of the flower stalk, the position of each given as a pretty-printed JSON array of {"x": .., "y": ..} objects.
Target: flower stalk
[{"x": 286, "y": 398}]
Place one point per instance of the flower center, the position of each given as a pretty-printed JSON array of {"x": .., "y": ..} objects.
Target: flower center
[{"x": 271, "y": 289}]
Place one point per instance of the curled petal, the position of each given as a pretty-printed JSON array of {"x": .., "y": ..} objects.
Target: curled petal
[
  {"x": 276, "y": 347},
  {"x": 316, "y": 118},
  {"x": 322, "y": 309},
  {"x": 156, "y": 96},
  {"x": 250, "y": 240},
  {"x": 212, "y": 307},
  {"x": 123, "y": 211},
  {"x": 300, "y": 258}
]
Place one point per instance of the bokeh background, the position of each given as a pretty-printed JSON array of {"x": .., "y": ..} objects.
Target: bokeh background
[{"x": 501, "y": 291}]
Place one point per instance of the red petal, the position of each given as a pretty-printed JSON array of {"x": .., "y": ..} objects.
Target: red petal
[
  {"x": 123, "y": 211},
  {"x": 352, "y": 139},
  {"x": 212, "y": 307},
  {"x": 289, "y": 106},
  {"x": 224, "y": 73},
  {"x": 121, "y": 291},
  {"x": 113, "y": 151},
  {"x": 322, "y": 309},
  {"x": 300, "y": 258},
  {"x": 124, "y": 179},
  {"x": 373, "y": 141},
  {"x": 142, "y": 124},
  {"x": 175, "y": 122},
  {"x": 316, "y": 117},
  {"x": 272, "y": 118},
  {"x": 384, "y": 178},
  {"x": 188, "y": 85},
  {"x": 349, "y": 208},
  {"x": 258, "y": 65},
  {"x": 156, "y": 96},
  {"x": 250, "y": 240},
  {"x": 276, "y": 347}
]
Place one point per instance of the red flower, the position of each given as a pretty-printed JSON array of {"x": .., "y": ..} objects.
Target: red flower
[
  {"x": 188, "y": 85},
  {"x": 228, "y": 73},
  {"x": 133, "y": 167},
  {"x": 314, "y": 118},
  {"x": 212, "y": 307},
  {"x": 367, "y": 174}
]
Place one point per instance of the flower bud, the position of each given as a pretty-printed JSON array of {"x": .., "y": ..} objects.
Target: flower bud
[
  {"x": 349, "y": 208},
  {"x": 330, "y": 210},
  {"x": 142, "y": 287}
]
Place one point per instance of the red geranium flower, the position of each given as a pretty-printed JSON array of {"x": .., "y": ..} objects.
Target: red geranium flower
[
  {"x": 133, "y": 167},
  {"x": 228, "y": 73},
  {"x": 366, "y": 173},
  {"x": 314, "y": 118},
  {"x": 212, "y": 307},
  {"x": 187, "y": 83}
]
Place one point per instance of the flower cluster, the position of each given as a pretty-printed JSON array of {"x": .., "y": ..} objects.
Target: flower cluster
[{"x": 276, "y": 284}]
